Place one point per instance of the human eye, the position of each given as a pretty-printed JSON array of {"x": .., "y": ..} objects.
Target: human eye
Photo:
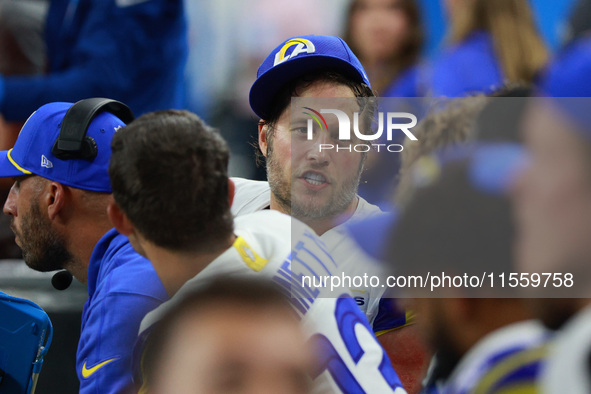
[
  {"x": 300, "y": 130},
  {"x": 17, "y": 183}
]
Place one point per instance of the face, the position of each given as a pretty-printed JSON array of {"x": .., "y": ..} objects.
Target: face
[
  {"x": 379, "y": 29},
  {"x": 306, "y": 182},
  {"x": 43, "y": 248},
  {"x": 553, "y": 195},
  {"x": 207, "y": 354},
  {"x": 553, "y": 206}
]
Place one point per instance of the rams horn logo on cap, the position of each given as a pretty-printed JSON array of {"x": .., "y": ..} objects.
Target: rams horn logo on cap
[{"x": 302, "y": 46}]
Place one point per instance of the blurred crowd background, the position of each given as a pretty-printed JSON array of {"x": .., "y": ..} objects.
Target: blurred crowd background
[
  {"x": 228, "y": 40},
  {"x": 396, "y": 41}
]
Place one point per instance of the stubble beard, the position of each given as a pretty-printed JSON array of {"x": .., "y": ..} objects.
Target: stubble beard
[
  {"x": 43, "y": 249},
  {"x": 307, "y": 207}
]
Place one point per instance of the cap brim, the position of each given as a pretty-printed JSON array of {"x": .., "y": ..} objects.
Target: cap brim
[
  {"x": 8, "y": 169},
  {"x": 263, "y": 91},
  {"x": 372, "y": 234}
]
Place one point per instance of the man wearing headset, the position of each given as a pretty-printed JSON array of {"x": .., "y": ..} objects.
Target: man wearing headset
[{"x": 58, "y": 211}]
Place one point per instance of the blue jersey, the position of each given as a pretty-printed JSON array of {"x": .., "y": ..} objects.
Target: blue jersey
[
  {"x": 467, "y": 68},
  {"x": 122, "y": 288},
  {"x": 133, "y": 51}
]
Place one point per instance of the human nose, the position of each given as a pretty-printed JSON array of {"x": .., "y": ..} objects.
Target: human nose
[
  {"x": 10, "y": 204},
  {"x": 319, "y": 151}
]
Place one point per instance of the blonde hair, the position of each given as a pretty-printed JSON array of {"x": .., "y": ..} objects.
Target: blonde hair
[{"x": 521, "y": 51}]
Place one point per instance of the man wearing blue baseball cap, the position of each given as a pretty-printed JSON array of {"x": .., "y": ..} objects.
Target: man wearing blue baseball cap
[
  {"x": 58, "y": 211},
  {"x": 319, "y": 187},
  {"x": 553, "y": 206}
]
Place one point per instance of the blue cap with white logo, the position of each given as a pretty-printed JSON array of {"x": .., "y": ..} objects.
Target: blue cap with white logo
[
  {"x": 32, "y": 152},
  {"x": 298, "y": 56}
]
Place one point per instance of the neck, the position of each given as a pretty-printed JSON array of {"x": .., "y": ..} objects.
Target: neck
[
  {"x": 175, "y": 268},
  {"x": 85, "y": 236},
  {"x": 323, "y": 224}
]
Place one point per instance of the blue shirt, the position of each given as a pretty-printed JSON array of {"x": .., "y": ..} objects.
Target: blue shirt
[
  {"x": 407, "y": 84},
  {"x": 96, "y": 48},
  {"x": 122, "y": 288},
  {"x": 467, "y": 68}
]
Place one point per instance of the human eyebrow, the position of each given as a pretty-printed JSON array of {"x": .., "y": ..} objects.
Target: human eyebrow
[{"x": 18, "y": 179}]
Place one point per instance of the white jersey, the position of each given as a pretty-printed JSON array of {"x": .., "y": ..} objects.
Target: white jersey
[
  {"x": 568, "y": 368},
  {"x": 351, "y": 358},
  {"x": 253, "y": 196},
  {"x": 507, "y": 356}
]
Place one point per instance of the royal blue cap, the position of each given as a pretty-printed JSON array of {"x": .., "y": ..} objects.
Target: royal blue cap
[
  {"x": 298, "y": 56},
  {"x": 32, "y": 151}
]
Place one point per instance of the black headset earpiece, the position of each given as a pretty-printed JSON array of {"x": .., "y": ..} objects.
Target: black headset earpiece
[{"x": 73, "y": 143}]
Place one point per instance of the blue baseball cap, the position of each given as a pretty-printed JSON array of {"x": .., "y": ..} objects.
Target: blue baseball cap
[
  {"x": 298, "y": 56},
  {"x": 32, "y": 151}
]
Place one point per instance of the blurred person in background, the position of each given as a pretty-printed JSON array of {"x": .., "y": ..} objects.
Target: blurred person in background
[
  {"x": 579, "y": 22},
  {"x": 458, "y": 122},
  {"x": 387, "y": 37},
  {"x": 459, "y": 222},
  {"x": 448, "y": 127},
  {"x": 553, "y": 210},
  {"x": 68, "y": 50},
  {"x": 442, "y": 128},
  {"x": 457, "y": 203},
  {"x": 490, "y": 43},
  {"x": 22, "y": 52},
  {"x": 22, "y": 44},
  {"x": 452, "y": 131},
  {"x": 108, "y": 48},
  {"x": 234, "y": 335}
]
